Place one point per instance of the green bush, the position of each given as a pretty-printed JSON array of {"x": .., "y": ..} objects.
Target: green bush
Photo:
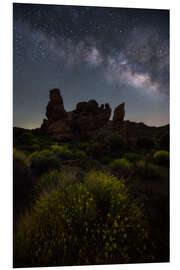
[
  {"x": 106, "y": 160},
  {"x": 132, "y": 157},
  {"x": 43, "y": 161},
  {"x": 149, "y": 171},
  {"x": 62, "y": 151},
  {"x": 48, "y": 181},
  {"x": 89, "y": 164},
  {"x": 96, "y": 150},
  {"x": 79, "y": 154},
  {"x": 161, "y": 157},
  {"x": 121, "y": 166},
  {"x": 67, "y": 177},
  {"x": 115, "y": 142},
  {"x": 140, "y": 168},
  {"x": 81, "y": 146},
  {"x": 91, "y": 223},
  {"x": 36, "y": 147},
  {"x": 145, "y": 143},
  {"x": 164, "y": 141},
  {"x": 153, "y": 171},
  {"x": 19, "y": 155},
  {"x": 54, "y": 180}
]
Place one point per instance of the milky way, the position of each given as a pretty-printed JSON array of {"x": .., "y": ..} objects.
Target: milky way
[{"x": 108, "y": 54}]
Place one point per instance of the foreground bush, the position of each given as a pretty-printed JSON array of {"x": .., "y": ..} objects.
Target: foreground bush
[
  {"x": 121, "y": 166},
  {"x": 48, "y": 181},
  {"x": 43, "y": 161},
  {"x": 161, "y": 157},
  {"x": 91, "y": 223},
  {"x": 54, "y": 179}
]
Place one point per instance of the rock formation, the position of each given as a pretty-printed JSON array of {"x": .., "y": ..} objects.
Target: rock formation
[
  {"x": 119, "y": 113},
  {"x": 55, "y": 109},
  {"x": 88, "y": 117},
  {"x": 57, "y": 124},
  {"x": 84, "y": 121}
]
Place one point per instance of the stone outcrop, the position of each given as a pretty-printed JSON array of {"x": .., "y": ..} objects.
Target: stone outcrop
[
  {"x": 57, "y": 124},
  {"x": 88, "y": 117},
  {"x": 55, "y": 109},
  {"x": 84, "y": 121},
  {"x": 119, "y": 113}
]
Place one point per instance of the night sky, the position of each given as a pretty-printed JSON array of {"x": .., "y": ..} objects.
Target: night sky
[{"x": 111, "y": 55}]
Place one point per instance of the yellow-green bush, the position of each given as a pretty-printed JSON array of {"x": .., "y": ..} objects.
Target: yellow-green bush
[
  {"x": 47, "y": 181},
  {"x": 89, "y": 164},
  {"x": 54, "y": 179},
  {"x": 79, "y": 154},
  {"x": 149, "y": 171},
  {"x": 62, "y": 151},
  {"x": 121, "y": 166},
  {"x": 43, "y": 161},
  {"x": 91, "y": 223},
  {"x": 132, "y": 157},
  {"x": 161, "y": 157}
]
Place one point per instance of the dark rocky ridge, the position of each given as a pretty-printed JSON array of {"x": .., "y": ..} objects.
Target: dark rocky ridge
[{"x": 83, "y": 122}]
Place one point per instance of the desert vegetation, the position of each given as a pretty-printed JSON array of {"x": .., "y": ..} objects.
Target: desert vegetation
[{"x": 90, "y": 201}]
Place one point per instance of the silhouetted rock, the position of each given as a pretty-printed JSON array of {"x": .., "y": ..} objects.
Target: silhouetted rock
[
  {"x": 55, "y": 109},
  {"x": 57, "y": 124},
  {"x": 88, "y": 117},
  {"x": 81, "y": 122},
  {"x": 119, "y": 113}
]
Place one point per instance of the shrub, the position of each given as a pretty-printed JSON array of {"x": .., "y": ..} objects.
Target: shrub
[
  {"x": 36, "y": 147},
  {"x": 132, "y": 156},
  {"x": 115, "y": 142},
  {"x": 22, "y": 181},
  {"x": 121, "y": 166},
  {"x": 145, "y": 143},
  {"x": 48, "y": 181},
  {"x": 161, "y": 157},
  {"x": 140, "y": 168},
  {"x": 164, "y": 141},
  {"x": 153, "y": 172},
  {"x": 89, "y": 164},
  {"x": 96, "y": 150},
  {"x": 82, "y": 146},
  {"x": 43, "y": 161},
  {"x": 62, "y": 151},
  {"x": 67, "y": 177},
  {"x": 19, "y": 155},
  {"x": 106, "y": 160},
  {"x": 149, "y": 171},
  {"x": 91, "y": 223},
  {"x": 79, "y": 154}
]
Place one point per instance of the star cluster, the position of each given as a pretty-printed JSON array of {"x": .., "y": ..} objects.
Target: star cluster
[{"x": 108, "y": 54}]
